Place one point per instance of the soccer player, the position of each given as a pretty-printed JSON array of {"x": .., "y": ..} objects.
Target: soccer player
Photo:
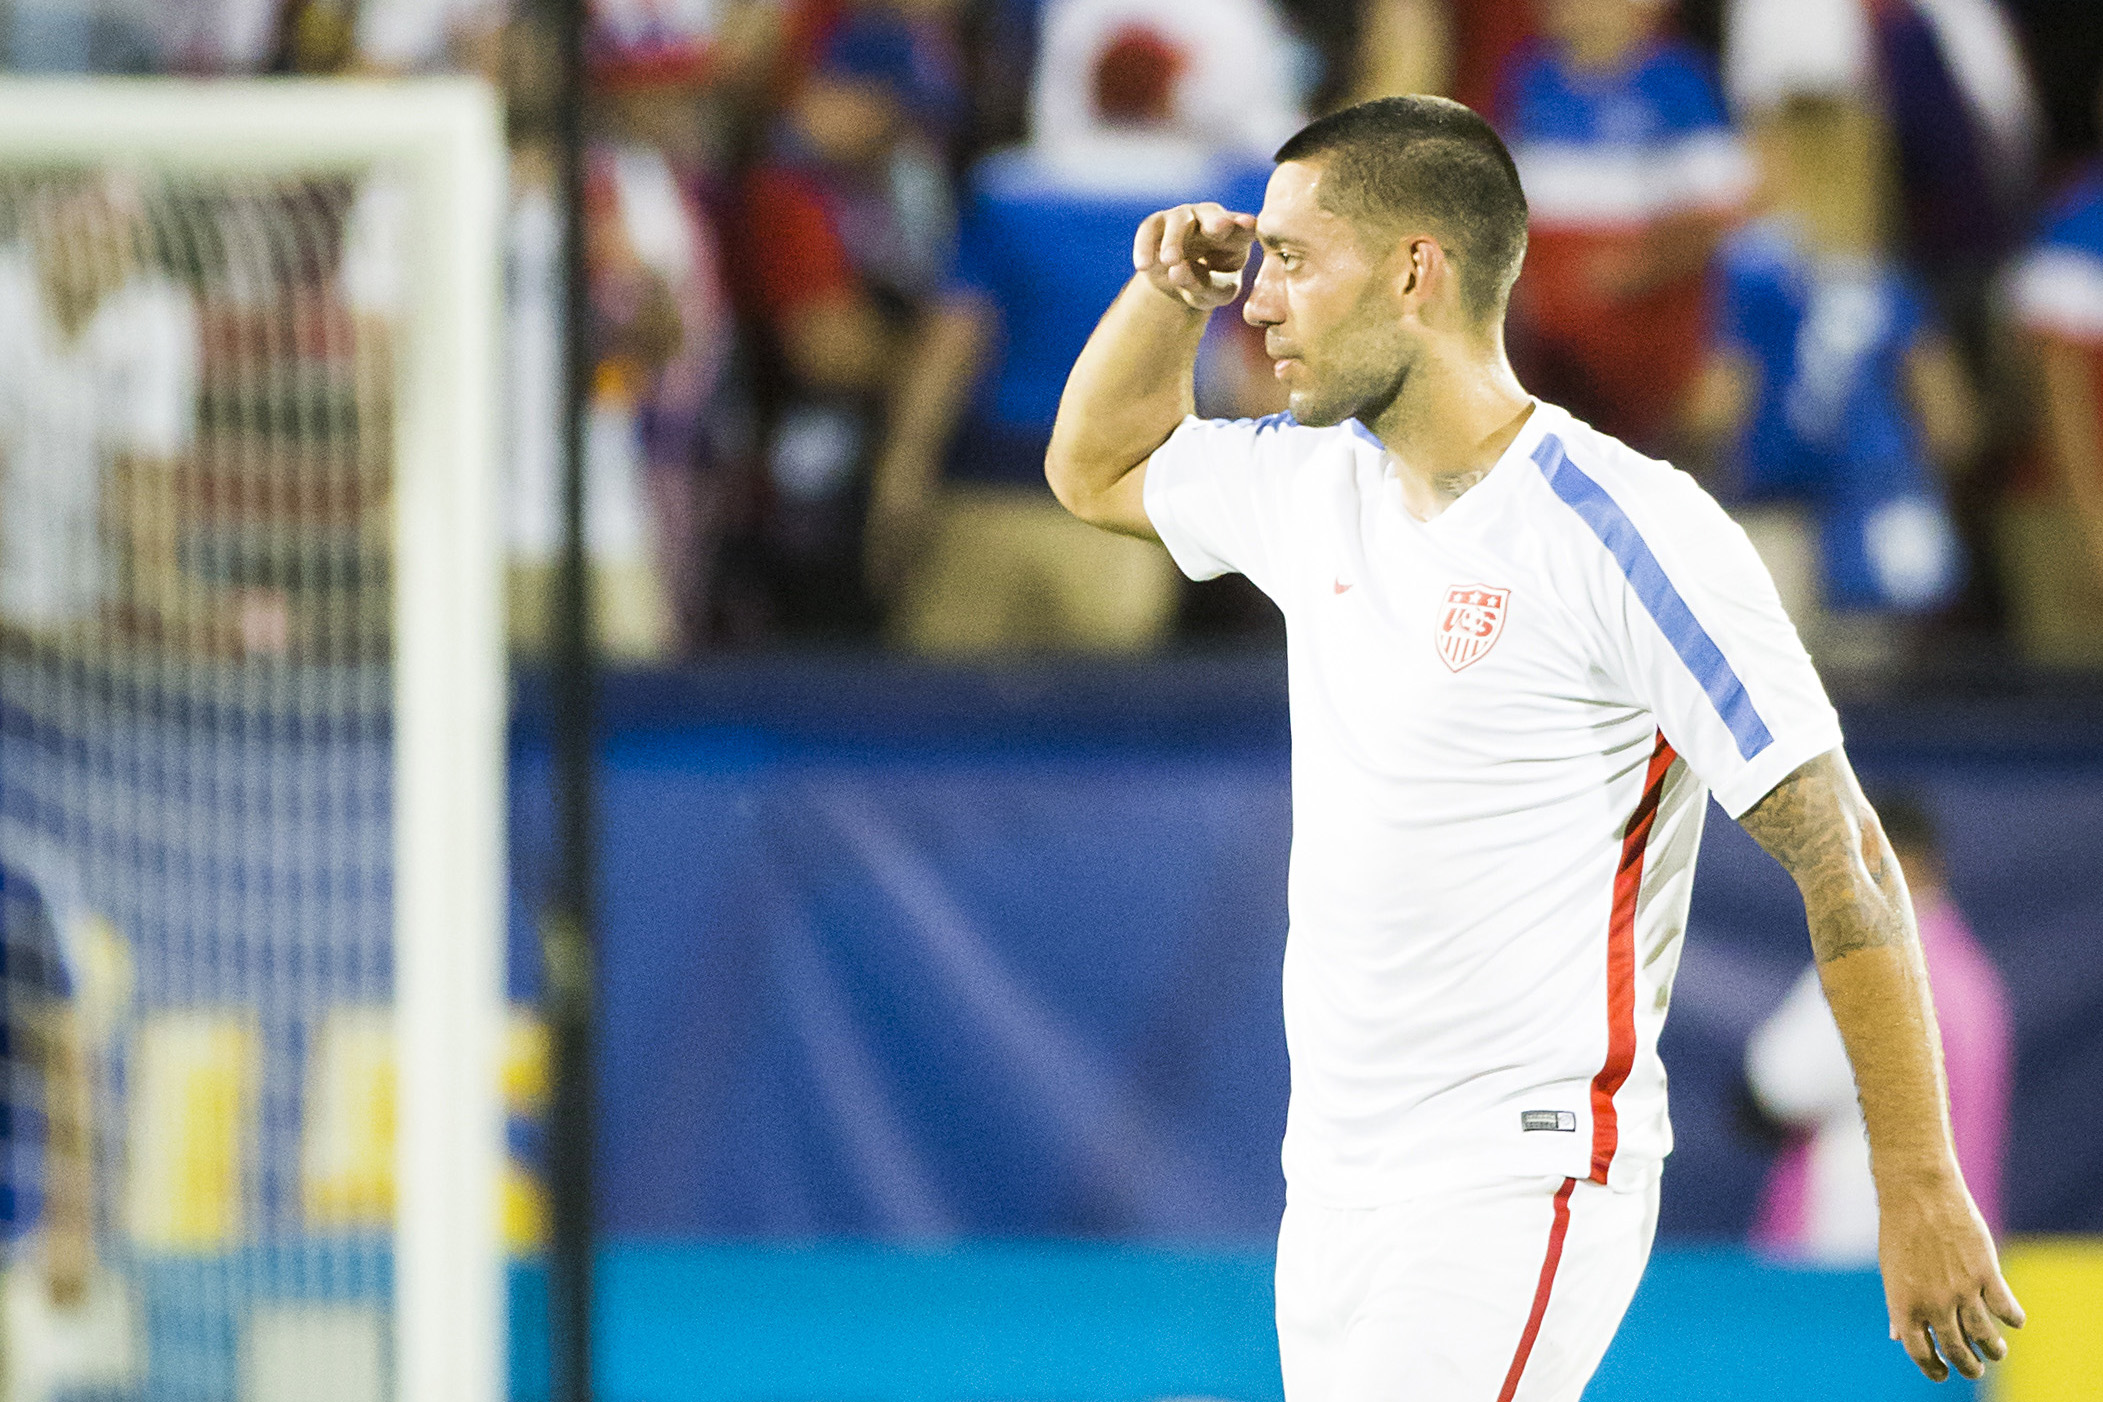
[{"x": 1521, "y": 657}]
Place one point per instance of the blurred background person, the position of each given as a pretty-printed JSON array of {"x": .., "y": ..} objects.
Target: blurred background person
[
  {"x": 47, "y": 1184},
  {"x": 663, "y": 333},
  {"x": 99, "y": 377},
  {"x": 1405, "y": 46},
  {"x": 1954, "y": 125},
  {"x": 1774, "y": 50},
  {"x": 1953, "y": 92},
  {"x": 1486, "y": 41},
  {"x": 213, "y": 36},
  {"x": 1235, "y": 79},
  {"x": 662, "y": 409},
  {"x": 1965, "y": 127},
  {"x": 2057, "y": 534},
  {"x": 988, "y": 561},
  {"x": 846, "y": 246},
  {"x": 1833, "y": 391},
  {"x": 1632, "y": 174},
  {"x": 1819, "y": 1202}
]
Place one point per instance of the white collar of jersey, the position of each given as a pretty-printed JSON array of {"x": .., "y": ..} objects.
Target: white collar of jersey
[{"x": 1539, "y": 424}]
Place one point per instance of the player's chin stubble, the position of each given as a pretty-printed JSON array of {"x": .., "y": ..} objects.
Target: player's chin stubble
[
  {"x": 1335, "y": 396},
  {"x": 1360, "y": 376}
]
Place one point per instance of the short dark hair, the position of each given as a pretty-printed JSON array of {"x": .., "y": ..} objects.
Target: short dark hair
[{"x": 1395, "y": 158}]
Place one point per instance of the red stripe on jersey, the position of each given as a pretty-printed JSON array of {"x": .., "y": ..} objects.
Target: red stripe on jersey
[
  {"x": 1540, "y": 1291},
  {"x": 1621, "y": 964}
]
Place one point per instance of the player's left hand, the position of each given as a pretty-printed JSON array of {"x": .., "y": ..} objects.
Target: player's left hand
[{"x": 1942, "y": 1281}]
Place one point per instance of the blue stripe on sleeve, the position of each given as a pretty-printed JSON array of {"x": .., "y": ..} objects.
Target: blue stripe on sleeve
[{"x": 1663, "y": 602}]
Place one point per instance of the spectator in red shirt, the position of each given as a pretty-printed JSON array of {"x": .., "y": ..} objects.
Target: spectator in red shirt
[{"x": 847, "y": 244}]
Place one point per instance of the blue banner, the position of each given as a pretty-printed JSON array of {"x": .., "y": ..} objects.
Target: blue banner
[{"x": 919, "y": 955}]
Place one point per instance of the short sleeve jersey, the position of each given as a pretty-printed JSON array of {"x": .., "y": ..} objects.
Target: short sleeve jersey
[{"x": 1506, "y": 724}]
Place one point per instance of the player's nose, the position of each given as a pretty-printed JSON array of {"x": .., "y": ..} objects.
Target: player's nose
[{"x": 1265, "y": 306}]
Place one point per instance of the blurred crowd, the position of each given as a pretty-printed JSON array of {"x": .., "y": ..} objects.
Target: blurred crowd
[{"x": 1843, "y": 259}]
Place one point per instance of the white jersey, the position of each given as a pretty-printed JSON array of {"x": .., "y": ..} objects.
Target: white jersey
[{"x": 1506, "y": 723}]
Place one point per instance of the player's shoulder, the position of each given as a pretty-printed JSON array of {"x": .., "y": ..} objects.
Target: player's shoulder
[{"x": 1626, "y": 502}]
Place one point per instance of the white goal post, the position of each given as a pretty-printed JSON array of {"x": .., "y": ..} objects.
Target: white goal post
[{"x": 442, "y": 140}]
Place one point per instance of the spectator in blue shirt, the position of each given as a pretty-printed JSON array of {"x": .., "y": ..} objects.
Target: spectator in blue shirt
[
  {"x": 1045, "y": 244},
  {"x": 1831, "y": 382}
]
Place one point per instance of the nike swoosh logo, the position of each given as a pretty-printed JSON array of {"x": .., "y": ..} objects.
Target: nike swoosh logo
[{"x": 1342, "y": 587}]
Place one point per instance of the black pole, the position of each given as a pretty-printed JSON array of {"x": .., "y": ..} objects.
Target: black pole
[{"x": 568, "y": 935}]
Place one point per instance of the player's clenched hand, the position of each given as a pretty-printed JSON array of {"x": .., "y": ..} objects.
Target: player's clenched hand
[
  {"x": 1195, "y": 252},
  {"x": 1942, "y": 1282}
]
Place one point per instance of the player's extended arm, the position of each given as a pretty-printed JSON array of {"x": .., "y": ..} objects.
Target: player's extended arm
[
  {"x": 1132, "y": 384},
  {"x": 1942, "y": 1278}
]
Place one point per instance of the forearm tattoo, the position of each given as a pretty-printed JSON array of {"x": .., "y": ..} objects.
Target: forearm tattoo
[{"x": 1818, "y": 826}]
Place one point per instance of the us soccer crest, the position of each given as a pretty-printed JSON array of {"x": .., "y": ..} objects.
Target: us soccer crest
[{"x": 1469, "y": 623}]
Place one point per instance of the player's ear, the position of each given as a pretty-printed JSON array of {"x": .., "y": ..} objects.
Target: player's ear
[{"x": 1416, "y": 263}]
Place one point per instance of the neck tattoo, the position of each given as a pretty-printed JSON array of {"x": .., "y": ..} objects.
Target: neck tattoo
[{"x": 1450, "y": 485}]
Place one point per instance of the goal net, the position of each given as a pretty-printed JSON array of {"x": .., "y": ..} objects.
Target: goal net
[{"x": 250, "y": 742}]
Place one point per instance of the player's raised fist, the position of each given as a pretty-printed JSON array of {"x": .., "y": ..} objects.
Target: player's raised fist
[{"x": 1195, "y": 252}]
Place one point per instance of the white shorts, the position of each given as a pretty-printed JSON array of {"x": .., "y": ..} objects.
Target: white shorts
[{"x": 1508, "y": 1291}]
